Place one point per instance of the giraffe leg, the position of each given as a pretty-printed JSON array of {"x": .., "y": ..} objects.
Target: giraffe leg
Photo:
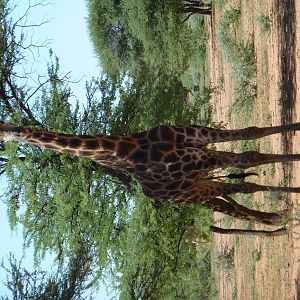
[
  {"x": 219, "y": 159},
  {"x": 241, "y": 212},
  {"x": 205, "y": 135},
  {"x": 207, "y": 189},
  {"x": 254, "y": 158}
]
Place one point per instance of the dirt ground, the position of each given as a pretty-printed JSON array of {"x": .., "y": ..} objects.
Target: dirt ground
[{"x": 262, "y": 267}]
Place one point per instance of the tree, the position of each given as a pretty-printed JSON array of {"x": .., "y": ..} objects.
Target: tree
[
  {"x": 73, "y": 281},
  {"x": 167, "y": 269},
  {"x": 61, "y": 200},
  {"x": 50, "y": 194},
  {"x": 61, "y": 193},
  {"x": 128, "y": 35},
  {"x": 191, "y": 7}
]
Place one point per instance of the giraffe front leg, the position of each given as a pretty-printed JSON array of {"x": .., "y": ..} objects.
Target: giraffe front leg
[
  {"x": 241, "y": 212},
  {"x": 206, "y": 135},
  {"x": 219, "y": 159},
  {"x": 207, "y": 189}
]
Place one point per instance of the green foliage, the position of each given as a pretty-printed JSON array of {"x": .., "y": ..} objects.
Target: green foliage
[
  {"x": 249, "y": 145},
  {"x": 63, "y": 201},
  {"x": 68, "y": 282},
  {"x": 129, "y": 34},
  {"x": 256, "y": 255},
  {"x": 225, "y": 260},
  {"x": 155, "y": 98},
  {"x": 241, "y": 57},
  {"x": 264, "y": 23},
  {"x": 157, "y": 28},
  {"x": 153, "y": 260}
]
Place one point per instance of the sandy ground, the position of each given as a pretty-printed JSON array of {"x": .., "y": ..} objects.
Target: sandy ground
[{"x": 264, "y": 267}]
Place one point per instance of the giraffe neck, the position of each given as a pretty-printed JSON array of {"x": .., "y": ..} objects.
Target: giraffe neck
[{"x": 94, "y": 147}]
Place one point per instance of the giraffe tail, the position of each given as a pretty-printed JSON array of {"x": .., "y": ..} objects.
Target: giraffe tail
[{"x": 235, "y": 175}]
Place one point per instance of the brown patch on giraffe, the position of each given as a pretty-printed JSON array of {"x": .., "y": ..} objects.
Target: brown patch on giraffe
[
  {"x": 153, "y": 135},
  {"x": 117, "y": 138},
  {"x": 62, "y": 142},
  {"x": 174, "y": 167},
  {"x": 180, "y": 138},
  {"x": 166, "y": 134},
  {"x": 171, "y": 158},
  {"x": 186, "y": 184},
  {"x": 86, "y": 153},
  {"x": 186, "y": 158},
  {"x": 190, "y": 131},
  {"x": 75, "y": 143},
  {"x": 47, "y": 138},
  {"x": 142, "y": 141},
  {"x": 125, "y": 148},
  {"x": 92, "y": 144},
  {"x": 108, "y": 144},
  {"x": 204, "y": 132},
  {"x": 37, "y": 135},
  {"x": 139, "y": 156},
  {"x": 140, "y": 168}
]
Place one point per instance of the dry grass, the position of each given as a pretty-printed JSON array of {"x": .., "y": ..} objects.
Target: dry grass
[{"x": 263, "y": 268}]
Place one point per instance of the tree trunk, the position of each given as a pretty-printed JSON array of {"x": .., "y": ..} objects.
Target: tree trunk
[
  {"x": 191, "y": 7},
  {"x": 278, "y": 232},
  {"x": 195, "y": 10}
]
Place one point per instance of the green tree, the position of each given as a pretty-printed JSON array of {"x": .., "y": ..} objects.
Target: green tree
[
  {"x": 73, "y": 281},
  {"x": 128, "y": 34},
  {"x": 154, "y": 97},
  {"x": 63, "y": 201},
  {"x": 152, "y": 258},
  {"x": 62, "y": 196},
  {"x": 191, "y": 7}
]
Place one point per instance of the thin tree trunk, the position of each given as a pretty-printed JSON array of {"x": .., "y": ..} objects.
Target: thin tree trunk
[
  {"x": 195, "y": 10},
  {"x": 278, "y": 232}
]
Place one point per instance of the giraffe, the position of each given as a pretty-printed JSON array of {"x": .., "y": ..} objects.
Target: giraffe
[{"x": 172, "y": 163}]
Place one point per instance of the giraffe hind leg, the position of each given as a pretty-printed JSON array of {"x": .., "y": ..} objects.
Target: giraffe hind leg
[
  {"x": 254, "y": 158},
  {"x": 241, "y": 212},
  {"x": 209, "y": 193},
  {"x": 208, "y": 188}
]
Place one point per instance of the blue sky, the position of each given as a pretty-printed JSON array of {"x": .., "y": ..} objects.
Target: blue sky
[{"x": 68, "y": 38}]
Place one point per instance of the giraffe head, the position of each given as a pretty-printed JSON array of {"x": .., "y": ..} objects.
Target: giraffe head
[{"x": 9, "y": 131}]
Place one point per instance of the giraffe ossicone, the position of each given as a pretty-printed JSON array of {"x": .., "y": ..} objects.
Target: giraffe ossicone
[{"x": 172, "y": 162}]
